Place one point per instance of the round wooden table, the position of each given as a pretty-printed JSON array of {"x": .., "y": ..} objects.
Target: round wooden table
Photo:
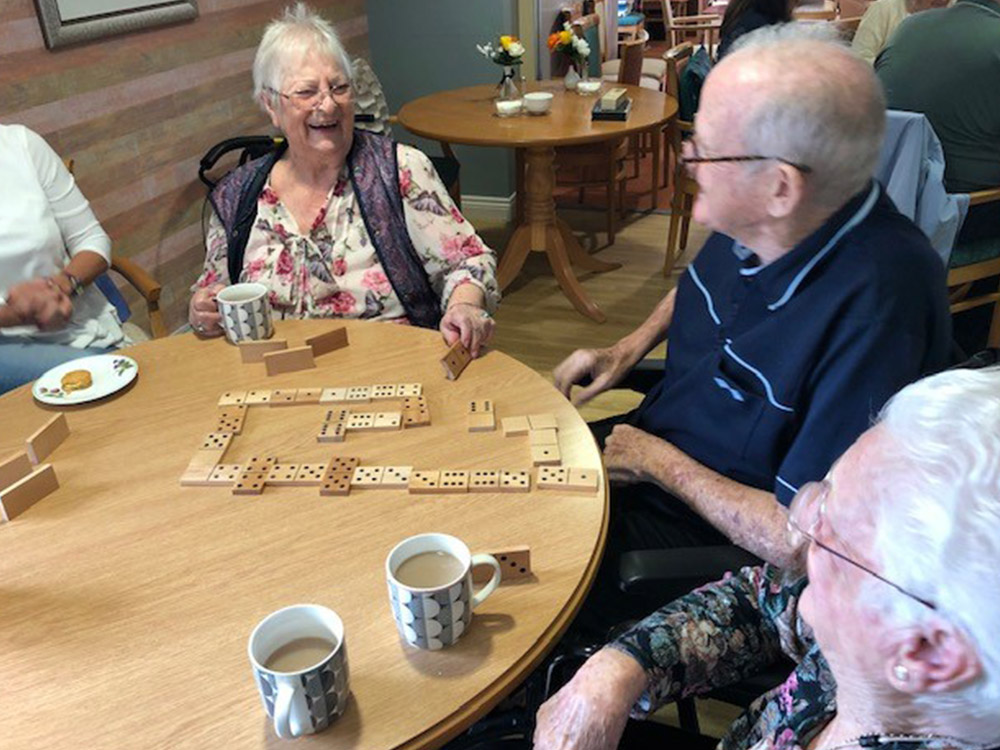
[
  {"x": 468, "y": 116},
  {"x": 126, "y": 600}
]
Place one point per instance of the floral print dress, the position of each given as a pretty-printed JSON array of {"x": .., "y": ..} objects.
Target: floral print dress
[
  {"x": 721, "y": 634},
  {"x": 331, "y": 269}
]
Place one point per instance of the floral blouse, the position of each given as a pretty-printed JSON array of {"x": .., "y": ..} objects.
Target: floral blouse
[
  {"x": 724, "y": 632},
  {"x": 331, "y": 269}
]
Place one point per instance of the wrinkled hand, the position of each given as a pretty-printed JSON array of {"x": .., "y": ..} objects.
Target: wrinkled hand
[
  {"x": 39, "y": 302},
  {"x": 590, "y": 711},
  {"x": 630, "y": 454},
  {"x": 203, "y": 312},
  {"x": 470, "y": 323},
  {"x": 604, "y": 368}
]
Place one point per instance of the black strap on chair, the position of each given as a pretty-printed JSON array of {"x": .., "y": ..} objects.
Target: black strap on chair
[{"x": 253, "y": 146}]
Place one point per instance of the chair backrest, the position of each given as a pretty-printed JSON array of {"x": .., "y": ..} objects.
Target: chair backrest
[
  {"x": 825, "y": 12},
  {"x": 677, "y": 59},
  {"x": 371, "y": 111},
  {"x": 630, "y": 70}
]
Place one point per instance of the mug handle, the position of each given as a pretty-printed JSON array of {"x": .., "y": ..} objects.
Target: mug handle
[
  {"x": 285, "y": 724},
  {"x": 480, "y": 596}
]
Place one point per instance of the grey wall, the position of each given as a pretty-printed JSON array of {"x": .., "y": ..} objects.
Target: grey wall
[{"x": 422, "y": 46}]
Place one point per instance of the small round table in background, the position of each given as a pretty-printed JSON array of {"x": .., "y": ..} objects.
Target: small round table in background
[{"x": 468, "y": 116}]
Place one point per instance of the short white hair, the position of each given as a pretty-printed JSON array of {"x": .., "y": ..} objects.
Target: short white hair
[
  {"x": 938, "y": 524},
  {"x": 286, "y": 41},
  {"x": 823, "y": 107}
]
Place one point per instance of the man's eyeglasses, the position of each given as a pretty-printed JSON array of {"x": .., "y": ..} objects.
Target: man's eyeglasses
[
  {"x": 691, "y": 155},
  {"x": 805, "y": 515},
  {"x": 310, "y": 97}
]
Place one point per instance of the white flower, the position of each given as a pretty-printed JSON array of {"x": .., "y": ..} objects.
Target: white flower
[
  {"x": 485, "y": 49},
  {"x": 581, "y": 47},
  {"x": 516, "y": 49}
]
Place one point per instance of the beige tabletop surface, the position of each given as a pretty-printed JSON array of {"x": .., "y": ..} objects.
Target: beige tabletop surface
[
  {"x": 468, "y": 116},
  {"x": 126, "y": 600}
]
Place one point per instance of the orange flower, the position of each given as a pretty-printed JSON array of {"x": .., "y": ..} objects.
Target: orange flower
[{"x": 553, "y": 39}]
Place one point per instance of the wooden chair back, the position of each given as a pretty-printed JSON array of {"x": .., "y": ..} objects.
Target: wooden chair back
[
  {"x": 630, "y": 70},
  {"x": 681, "y": 28},
  {"x": 827, "y": 12},
  {"x": 960, "y": 279}
]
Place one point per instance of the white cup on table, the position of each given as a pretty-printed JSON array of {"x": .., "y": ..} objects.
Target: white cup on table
[
  {"x": 299, "y": 661},
  {"x": 430, "y": 588}
]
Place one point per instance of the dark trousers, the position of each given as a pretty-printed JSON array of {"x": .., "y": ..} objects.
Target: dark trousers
[{"x": 643, "y": 516}]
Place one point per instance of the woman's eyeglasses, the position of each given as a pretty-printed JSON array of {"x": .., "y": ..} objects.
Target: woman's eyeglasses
[
  {"x": 311, "y": 97},
  {"x": 805, "y": 516}
]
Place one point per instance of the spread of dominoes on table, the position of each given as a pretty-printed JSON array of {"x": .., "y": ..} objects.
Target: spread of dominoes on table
[{"x": 358, "y": 410}]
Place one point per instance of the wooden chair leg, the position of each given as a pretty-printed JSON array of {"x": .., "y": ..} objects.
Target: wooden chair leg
[
  {"x": 676, "y": 204},
  {"x": 519, "y": 193},
  {"x": 686, "y": 220},
  {"x": 612, "y": 184}
]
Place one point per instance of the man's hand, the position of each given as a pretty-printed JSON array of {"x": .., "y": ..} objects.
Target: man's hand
[
  {"x": 631, "y": 455},
  {"x": 39, "y": 302},
  {"x": 604, "y": 368},
  {"x": 468, "y": 322},
  {"x": 590, "y": 712},
  {"x": 203, "y": 312}
]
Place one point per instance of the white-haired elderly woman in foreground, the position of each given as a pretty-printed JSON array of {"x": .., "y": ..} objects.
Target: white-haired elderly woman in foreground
[
  {"x": 895, "y": 629},
  {"x": 340, "y": 223}
]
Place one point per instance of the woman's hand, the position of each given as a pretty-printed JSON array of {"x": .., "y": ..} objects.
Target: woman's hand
[
  {"x": 39, "y": 302},
  {"x": 590, "y": 711},
  {"x": 470, "y": 323},
  {"x": 203, "y": 312}
]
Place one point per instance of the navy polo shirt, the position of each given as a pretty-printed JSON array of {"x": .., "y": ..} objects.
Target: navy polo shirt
[{"x": 773, "y": 371}]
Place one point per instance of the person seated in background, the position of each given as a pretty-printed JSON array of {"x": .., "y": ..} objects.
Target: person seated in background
[
  {"x": 812, "y": 302},
  {"x": 945, "y": 63},
  {"x": 51, "y": 249},
  {"x": 743, "y": 16},
  {"x": 340, "y": 223},
  {"x": 894, "y": 628},
  {"x": 881, "y": 20}
]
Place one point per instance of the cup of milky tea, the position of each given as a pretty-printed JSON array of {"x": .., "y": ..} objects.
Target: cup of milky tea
[
  {"x": 299, "y": 662},
  {"x": 430, "y": 588}
]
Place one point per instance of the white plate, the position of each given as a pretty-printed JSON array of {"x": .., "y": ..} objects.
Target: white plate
[{"x": 111, "y": 373}]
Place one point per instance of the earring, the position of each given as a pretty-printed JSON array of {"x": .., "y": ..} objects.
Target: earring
[{"x": 901, "y": 673}]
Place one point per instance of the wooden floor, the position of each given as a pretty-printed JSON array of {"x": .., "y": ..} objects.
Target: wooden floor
[{"x": 537, "y": 325}]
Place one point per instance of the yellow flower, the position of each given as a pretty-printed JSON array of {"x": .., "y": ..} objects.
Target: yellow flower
[
  {"x": 565, "y": 37},
  {"x": 505, "y": 41}
]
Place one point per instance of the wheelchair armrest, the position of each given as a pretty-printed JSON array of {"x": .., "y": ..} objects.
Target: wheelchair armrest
[
  {"x": 668, "y": 573},
  {"x": 642, "y": 377}
]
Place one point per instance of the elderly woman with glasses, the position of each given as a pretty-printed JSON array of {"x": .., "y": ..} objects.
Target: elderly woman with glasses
[
  {"x": 894, "y": 627},
  {"x": 340, "y": 223}
]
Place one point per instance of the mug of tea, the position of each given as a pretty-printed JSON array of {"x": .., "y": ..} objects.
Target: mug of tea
[
  {"x": 300, "y": 665},
  {"x": 430, "y": 588},
  {"x": 246, "y": 312}
]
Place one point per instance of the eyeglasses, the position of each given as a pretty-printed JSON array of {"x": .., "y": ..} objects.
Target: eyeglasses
[
  {"x": 311, "y": 97},
  {"x": 692, "y": 156},
  {"x": 805, "y": 516}
]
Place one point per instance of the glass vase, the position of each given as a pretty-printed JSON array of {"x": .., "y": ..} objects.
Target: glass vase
[
  {"x": 510, "y": 89},
  {"x": 572, "y": 78}
]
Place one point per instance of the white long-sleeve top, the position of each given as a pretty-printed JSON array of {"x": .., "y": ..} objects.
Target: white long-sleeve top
[{"x": 44, "y": 222}]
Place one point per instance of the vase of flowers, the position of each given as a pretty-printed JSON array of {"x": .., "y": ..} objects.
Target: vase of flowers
[
  {"x": 576, "y": 49},
  {"x": 508, "y": 53}
]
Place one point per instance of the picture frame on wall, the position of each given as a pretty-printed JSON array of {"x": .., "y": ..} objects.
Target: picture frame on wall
[{"x": 66, "y": 22}]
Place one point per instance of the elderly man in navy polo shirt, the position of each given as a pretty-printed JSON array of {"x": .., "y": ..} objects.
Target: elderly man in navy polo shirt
[{"x": 812, "y": 302}]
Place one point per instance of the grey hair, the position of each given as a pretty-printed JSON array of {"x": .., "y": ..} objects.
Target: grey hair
[
  {"x": 824, "y": 107},
  {"x": 286, "y": 41},
  {"x": 938, "y": 525}
]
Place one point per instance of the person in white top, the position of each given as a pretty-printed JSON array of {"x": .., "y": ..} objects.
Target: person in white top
[
  {"x": 881, "y": 19},
  {"x": 51, "y": 249}
]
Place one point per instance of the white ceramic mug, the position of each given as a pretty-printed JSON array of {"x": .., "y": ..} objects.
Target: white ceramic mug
[
  {"x": 308, "y": 700},
  {"x": 246, "y": 312},
  {"x": 435, "y": 617}
]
